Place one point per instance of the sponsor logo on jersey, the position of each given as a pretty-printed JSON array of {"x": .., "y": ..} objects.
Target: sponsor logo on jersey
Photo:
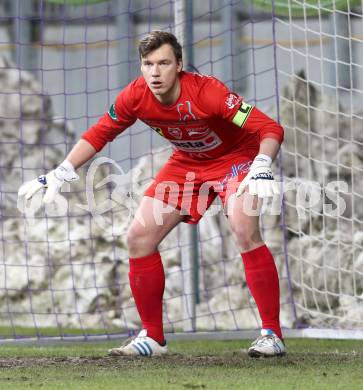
[
  {"x": 175, "y": 132},
  {"x": 158, "y": 130},
  {"x": 232, "y": 100},
  {"x": 235, "y": 170},
  {"x": 197, "y": 132},
  {"x": 112, "y": 112},
  {"x": 211, "y": 141}
]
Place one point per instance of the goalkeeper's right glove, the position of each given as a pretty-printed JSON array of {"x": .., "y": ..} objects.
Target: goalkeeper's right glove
[{"x": 53, "y": 182}]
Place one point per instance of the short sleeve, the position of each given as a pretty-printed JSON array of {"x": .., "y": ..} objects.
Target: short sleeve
[{"x": 219, "y": 99}]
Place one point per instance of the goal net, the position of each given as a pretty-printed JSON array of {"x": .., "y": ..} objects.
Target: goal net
[
  {"x": 64, "y": 268},
  {"x": 319, "y": 62}
]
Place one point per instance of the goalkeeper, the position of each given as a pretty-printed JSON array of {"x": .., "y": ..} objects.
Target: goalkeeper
[{"x": 222, "y": 146}]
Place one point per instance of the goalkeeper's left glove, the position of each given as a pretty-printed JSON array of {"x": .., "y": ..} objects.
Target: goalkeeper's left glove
[
  {"x": 260, "y": 180},
  {"x": 52, "y": 181}
]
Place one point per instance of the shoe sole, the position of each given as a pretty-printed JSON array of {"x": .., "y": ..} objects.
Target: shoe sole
[
  {"x": 119, "y": 353},
  {"x": 256, "y": 354}
]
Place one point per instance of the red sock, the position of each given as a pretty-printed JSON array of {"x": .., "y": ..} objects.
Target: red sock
[
  {"x": 263, "y": 281},
  {"x": 147, "y": 282}
]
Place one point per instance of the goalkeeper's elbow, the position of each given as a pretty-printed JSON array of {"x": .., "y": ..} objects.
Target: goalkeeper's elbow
[
  {"x": 281, "y": 133},
  {"x": 276, "y": 132}
]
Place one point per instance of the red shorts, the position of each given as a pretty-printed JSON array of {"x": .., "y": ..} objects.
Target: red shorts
[{"x": 191, "y": 186}]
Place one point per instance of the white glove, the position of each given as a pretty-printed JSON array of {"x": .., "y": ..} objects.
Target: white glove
[
  {"x": 260, "y": 180},
  {"x": 53, "y": 182}
]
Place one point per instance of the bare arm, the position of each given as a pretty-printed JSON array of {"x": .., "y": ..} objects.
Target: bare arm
[
  {"x": 81, "y": 153},
  {"x": 270, "y": 147}
]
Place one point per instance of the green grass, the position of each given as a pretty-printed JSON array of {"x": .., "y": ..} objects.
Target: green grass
[
  {"x": 7, "y": 332},
  {"x": 310, "y": 364}
]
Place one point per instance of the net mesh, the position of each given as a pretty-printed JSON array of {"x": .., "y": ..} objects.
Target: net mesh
[
  {"x": 320, "y": 71},
  {"x": 65, "y": 269}
]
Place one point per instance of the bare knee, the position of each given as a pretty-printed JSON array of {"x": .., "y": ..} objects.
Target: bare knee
[
  {"x": 247, "y": 238},
  {"x": 140, "y": 241}
]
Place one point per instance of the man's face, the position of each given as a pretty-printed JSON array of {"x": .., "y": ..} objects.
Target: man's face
[{"x": 160, "y": 70}]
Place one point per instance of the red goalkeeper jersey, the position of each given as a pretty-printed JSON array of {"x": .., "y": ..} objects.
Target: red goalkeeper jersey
[{"x": 207, "y": 120}]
